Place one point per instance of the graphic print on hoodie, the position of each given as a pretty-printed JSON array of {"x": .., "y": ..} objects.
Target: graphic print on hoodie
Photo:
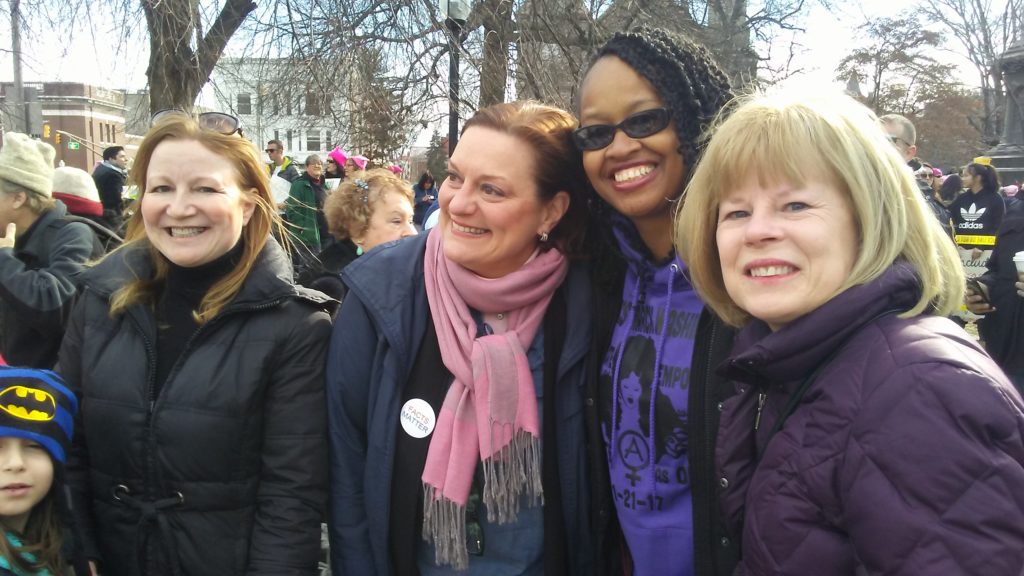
[
  {"x": 645, "y": 379},
  {"x": 976, "y": 218}
]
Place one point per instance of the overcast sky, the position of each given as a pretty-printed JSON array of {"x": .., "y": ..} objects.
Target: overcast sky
[{"x": 84, "y": 57}]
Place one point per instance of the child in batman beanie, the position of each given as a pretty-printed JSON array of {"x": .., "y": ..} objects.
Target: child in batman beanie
[{"x": 36, "y": 424}]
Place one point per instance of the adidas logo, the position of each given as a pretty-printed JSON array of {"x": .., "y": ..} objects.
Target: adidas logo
[{"x": 971, "y": 214}]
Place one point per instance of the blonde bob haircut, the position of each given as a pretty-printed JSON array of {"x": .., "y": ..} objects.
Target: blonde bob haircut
[
  {"x": 795, "y": 139},
  {"x": 252, "y": 181}
]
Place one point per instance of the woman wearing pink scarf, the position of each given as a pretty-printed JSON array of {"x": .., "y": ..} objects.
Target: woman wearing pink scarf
[{"x": 456, "y": 370}]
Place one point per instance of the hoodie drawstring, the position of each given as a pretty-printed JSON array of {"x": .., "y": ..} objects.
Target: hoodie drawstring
[
  {"x": 618, "y": 364},
  {"x": 656, "y": 384}
]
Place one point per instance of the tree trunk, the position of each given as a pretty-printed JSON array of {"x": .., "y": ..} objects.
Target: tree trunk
[
  {"x": 497, "y": 22},
  {"x": 178, "y": 71}
]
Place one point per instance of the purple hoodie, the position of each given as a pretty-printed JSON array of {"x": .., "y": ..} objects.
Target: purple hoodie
[{"x": 645, "y": 380}]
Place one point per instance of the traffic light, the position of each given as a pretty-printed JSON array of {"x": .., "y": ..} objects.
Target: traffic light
[
  {"x": 46, "y": 131},
  {"x": 57, "y": 139}
]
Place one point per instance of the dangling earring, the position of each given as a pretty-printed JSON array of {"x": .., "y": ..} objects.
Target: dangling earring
[
  {"x": 359, "y": 250},
  {"x": 543, "y": 236}
]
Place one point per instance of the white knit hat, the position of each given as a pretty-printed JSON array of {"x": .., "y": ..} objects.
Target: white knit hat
[
  {"x": 76, "y": 182},
  {"x": 27, "y": 163}
]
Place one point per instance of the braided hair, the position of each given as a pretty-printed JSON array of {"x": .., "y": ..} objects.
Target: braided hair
[{"x": 684, "y": 75}]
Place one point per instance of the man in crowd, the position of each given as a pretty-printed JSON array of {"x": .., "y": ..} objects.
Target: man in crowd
[
  {"x": 280, "y": 165},
  {"x": 903, "y": 135},
  {"x": 40, "y": 253},
  {"x": 109, "y": 177}
]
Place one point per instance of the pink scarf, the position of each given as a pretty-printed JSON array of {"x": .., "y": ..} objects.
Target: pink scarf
[{"x": 490, "y": 412}]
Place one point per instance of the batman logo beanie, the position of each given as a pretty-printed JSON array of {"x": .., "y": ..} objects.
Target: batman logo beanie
[{"x": 36, "y": 405}]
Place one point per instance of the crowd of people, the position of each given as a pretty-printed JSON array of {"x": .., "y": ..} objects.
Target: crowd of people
[{"x": 674, "y": 331}]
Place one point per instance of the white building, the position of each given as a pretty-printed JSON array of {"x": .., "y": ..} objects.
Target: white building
[{"x": 283, "y": 100}]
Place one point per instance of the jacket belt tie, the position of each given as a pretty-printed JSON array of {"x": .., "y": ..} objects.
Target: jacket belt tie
[{"x": 150, "y": 513}]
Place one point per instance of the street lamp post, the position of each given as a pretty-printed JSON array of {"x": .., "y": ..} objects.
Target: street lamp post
[{"x": 456, "y": 12}]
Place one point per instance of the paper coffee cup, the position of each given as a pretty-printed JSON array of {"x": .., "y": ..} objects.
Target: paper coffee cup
[{"x": 1018, "y": 260}]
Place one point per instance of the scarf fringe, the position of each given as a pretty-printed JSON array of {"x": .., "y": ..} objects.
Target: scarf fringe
[
  {"x": 513, "y": 471},
  {"x": 444, "y": 525}
]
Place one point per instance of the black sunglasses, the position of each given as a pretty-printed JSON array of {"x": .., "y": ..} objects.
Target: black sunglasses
[
  {"x": 639, "y": 125},
  {"x": 220, "y": 122}
]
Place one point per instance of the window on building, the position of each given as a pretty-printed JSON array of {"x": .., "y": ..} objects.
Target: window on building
[
  {"x": 313, "y": 103},
  {"x": 313, "y": 140},
  {"x": 288, "y": 137},
  {"x": 277, "y": 134},
  {"x": 329, "y": 142},
  {"x": 244, "y": 105},
  {"x": 288, "y": 103}
]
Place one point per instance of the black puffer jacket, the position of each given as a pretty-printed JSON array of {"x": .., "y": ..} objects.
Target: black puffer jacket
[{"x": 225, "y": 471}]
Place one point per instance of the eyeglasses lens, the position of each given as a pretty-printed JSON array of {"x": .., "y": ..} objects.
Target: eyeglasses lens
[
  {"x": 216, "y": 121},
  {"x": 220, "y": 122},
  {"x": 639, "y": 125}
]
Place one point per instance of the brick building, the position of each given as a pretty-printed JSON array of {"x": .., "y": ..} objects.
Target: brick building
[{"x": 78, "y": 120}]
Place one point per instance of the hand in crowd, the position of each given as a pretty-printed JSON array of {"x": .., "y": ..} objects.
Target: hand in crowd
[
  {"x": 1020, "y": 284},
  {"x": 978, "y": 303},
  {"x": 8, "y": 240}
]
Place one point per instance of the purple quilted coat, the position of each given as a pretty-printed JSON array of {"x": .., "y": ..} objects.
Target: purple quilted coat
[{"x": 905, "y": 457}]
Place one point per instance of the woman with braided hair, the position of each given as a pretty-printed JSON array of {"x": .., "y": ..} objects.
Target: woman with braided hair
[{"x": 643, "y": 103}]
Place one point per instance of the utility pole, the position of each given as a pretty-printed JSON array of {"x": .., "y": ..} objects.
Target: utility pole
[{"x": 19, "y": 114}]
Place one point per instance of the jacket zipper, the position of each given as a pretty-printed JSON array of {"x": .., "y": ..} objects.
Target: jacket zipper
[{"x": 761, "y": 398}]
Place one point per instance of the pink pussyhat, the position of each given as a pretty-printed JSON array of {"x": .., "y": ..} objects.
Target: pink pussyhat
[
  {"x": 339, "y": 156},
  {"x": 395, "y": 168},
  {"x": 1011, "y": 190},
  {"x": 361, "y": 161}
]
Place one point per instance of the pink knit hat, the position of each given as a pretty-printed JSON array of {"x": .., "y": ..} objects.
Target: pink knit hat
[
  {"x": 395, "y": 168},
  {"x": 361, "y": 161},
  {"x": 338, "y": 155}
]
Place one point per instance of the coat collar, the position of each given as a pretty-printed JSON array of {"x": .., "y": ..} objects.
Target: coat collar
[
  {"x": 799, "y": 347},
  {"x": 32, "y": 240},
  {"x": 269, "y": 281}
]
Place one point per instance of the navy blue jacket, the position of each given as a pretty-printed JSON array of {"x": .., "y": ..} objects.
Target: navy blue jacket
[{"x": 376, "y": 338}]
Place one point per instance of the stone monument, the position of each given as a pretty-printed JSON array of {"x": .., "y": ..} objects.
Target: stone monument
[{"x": 1008, "y": 155}]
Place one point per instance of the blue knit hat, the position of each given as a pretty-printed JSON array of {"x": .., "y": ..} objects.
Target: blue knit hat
[{"x": 35, "y": 405}]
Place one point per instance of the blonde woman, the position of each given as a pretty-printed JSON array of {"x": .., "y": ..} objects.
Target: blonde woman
[
  {"x": 199, "y": 367},
  {"x": 869, "y": 435}
]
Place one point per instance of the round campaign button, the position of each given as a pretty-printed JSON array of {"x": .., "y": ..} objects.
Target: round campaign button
[{"x": 418, "y": 418}]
